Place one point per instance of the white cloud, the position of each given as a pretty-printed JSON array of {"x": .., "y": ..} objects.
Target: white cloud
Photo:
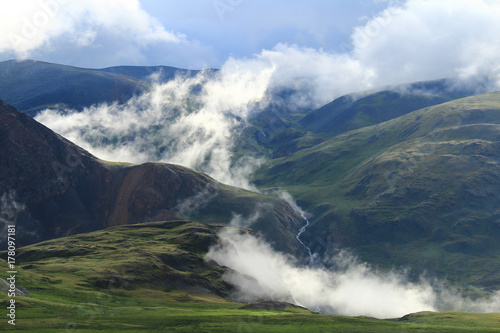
[
  {"x": 425, "y": 39},
  {"x": 352, "y": 289},
  {"x": 409, "y": 41},
  {"x": 171, "y": 124},
  {"x": 33, "y": 25},
  {"x": 417, "y": 40}
]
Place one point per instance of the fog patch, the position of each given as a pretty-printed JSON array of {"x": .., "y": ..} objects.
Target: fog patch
[
  {"x": 10, "y": 210},
  {"x": 14, "y": 212},
  {"x": 193, "y": 204},
  {"x": 353, "y": 288}
]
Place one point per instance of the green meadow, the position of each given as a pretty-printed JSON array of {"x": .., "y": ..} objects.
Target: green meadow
[{"x": 152, "y": 278}]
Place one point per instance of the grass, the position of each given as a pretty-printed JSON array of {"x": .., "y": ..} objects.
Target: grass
[
  {"x": 60, "y": 276},
  {"x": 145, "y": 310}
]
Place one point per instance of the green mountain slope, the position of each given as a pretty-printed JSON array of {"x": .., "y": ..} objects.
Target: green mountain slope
[
  {"x": 358, "y": 110},
  {"x": 348, "y": 113},
  {"x": 283, "y": 131},
  {"x": 152, "y": 277},
  {"x": 421, "y": 190}
]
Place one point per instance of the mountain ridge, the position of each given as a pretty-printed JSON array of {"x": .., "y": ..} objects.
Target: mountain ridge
[
  {"x": 32, "y": 86},
  {"x": 67, "y": 190}
]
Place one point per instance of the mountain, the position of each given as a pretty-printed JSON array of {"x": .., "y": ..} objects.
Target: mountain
[
  {"x": 421, "y": 191},
  {"x": 66, "y": 190},
  {"x": 347, "y": 113},
  {"x": 32, "y": 86},
  {"x": 281, "y": 129},
  {"x": 358, "y": 110}
]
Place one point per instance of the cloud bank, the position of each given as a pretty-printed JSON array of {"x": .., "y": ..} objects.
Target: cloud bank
[
  {"x": 418, "y": 40},
  {"x": 352, "y": 289},
  {"x": 408, "y": 41}
]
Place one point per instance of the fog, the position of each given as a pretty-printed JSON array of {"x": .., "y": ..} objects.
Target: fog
[
  {"x": 10, "y": 208},
  {"x": 174, "y": 122},
  {"x": 353, "y": 288}
]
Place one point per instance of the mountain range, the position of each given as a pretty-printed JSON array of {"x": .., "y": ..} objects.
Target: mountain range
[
  {"x": 404, "y": 177},
  {"x": 420, "y": 190},
  {"x": 32, "y": 86}
]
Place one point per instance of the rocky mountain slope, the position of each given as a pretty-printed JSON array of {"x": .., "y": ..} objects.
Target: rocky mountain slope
[{"x": 65, "y": 190}]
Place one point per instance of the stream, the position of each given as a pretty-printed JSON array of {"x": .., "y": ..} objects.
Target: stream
[{"x": 301, "y": 231}]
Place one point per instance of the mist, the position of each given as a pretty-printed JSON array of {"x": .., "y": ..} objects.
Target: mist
[
  {"x": 10, "y": 208},
  {"x": 13, "y": 211},
  {"x": 174, "y": 122},
  {"x": 352, "y": 289}
]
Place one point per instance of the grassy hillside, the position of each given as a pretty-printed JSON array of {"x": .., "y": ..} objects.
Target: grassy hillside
[
  {"x": 349, "y": 113},
  {"x": 152, "y": 278},
  {"x": 284, "y": 130},
  {"x": 421, "y": 190}
]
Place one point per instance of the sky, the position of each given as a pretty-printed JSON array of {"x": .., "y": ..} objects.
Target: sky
[
  {"x": 189, "y": 34},
  {"x": 317, "y": 49},
  {"x": 385, "y": 41}
]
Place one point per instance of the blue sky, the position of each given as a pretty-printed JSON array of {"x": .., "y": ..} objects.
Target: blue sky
[{"x": 240, "y": 28}]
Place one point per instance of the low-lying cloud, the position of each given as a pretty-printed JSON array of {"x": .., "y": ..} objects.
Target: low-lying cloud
[
  {"x": 175, "y": 123},
  {"x": 9, "y": 210},
  {"x": 352, "y": 289},
  {"x": 14, "y": 212}
]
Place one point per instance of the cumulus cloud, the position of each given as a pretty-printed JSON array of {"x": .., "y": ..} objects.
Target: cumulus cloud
[
  {"x": 352, "y": 289},
  {"x": 114, "y": 31},
  {"x": 414, "y": 41},
  {"x": 423, "y": 39}
]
